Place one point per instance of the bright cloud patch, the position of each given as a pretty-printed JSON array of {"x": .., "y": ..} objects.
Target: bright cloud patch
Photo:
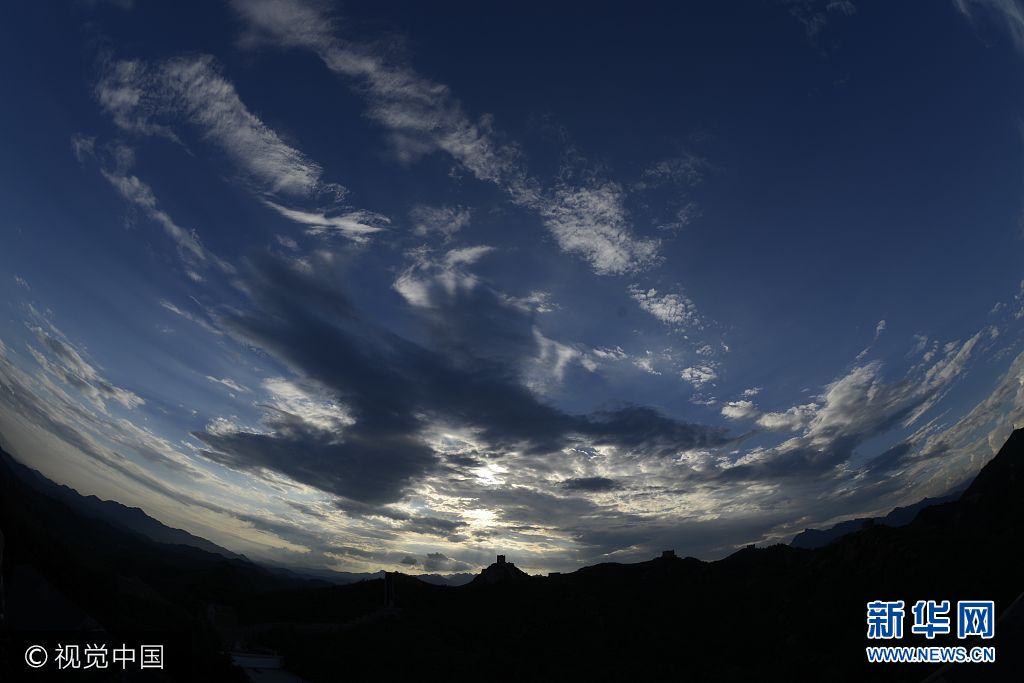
[
  {"x": 699, "y": 375},
  {"x": 671, "y": 309}
]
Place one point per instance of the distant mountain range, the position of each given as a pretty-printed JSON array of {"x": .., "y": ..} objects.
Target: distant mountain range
[
  {"x": 135, "y": 520},
  {"x": 774, "y": 613},
  {"x": 818, "y": 538},
  {"x": 132, "y": 519},
  {"x": 341, "y": 578}
]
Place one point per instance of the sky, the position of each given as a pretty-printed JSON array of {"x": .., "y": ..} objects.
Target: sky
[{"x": 405, "y": 285}]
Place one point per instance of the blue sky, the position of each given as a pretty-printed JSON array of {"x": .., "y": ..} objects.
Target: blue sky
[{"x": 385, "y": 285}]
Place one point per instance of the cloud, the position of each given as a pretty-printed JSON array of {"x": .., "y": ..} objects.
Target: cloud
[
  {"x": 672, "y": 309},
  {"x": 443, "y": 220},
  {"x": 740, "y": 410},
  {"x": 979, "y": 433},
  {"x": 852, "y": 409},
  {"x": 393, "y": 390},
  {"x": 465, "y": 256},
  {"x": 141, "y": 195},
  {"x": 434, "y": 526},
  {"x": 860, "y": 402},
  {"x": 879, "y": 329},
  {"x": 439, "y": 562},
  {"x": 814, "y": 14},
  {"x": 477, "y": 455},
  {"x": 430, "y": 281},
  {"x": 610, "y": 353},
  {"x": 309, "y": 402},
  {"x": 422, "y": 117},
  {"x": 39, "y": 399},
  {"x": 646, "y": 363},
  {"x": 355, "y": 225},
  {"x": 591, "y": 484},
  {"x": 455, "y": 301},
  {"x": 548, "y": 367},
  {"x": 308, "y": 435},
  {"x": 685, "y": 215},
  {"x": 591, "y": 222},
  {"x": 1009, "y": 13},
  {"x": 151, "y": 99},
  {"x": 69, "y": 366},
  {"x": 83, "y": 146},
  {"x": 409, "y": 561},
  {"x": 688, "y": 169},
  {"x": 365, "y": 465},
  {"x": 792, "y": 419},
  {"x": 699, "y": 375},
  {"x": 147, "y": 99},
  {"x": 200, "y": 321},
  {"x": 229, "y": 383},
  {"x": 115, "y": 162}
]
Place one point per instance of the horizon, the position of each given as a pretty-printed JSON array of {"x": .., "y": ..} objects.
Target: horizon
[
  {"x": 318, "y": 570},
  {"x": 376, "y": 286}
]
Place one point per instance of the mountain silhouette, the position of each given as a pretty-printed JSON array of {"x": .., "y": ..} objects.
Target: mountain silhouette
[
  {"x": 775, "y": 613},
  {"x": 329, "y": 576},
  {"x": 130, "y": 518},
  {"x": 816, "y": 538}
]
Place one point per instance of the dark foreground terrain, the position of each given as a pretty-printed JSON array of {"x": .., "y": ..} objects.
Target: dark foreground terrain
[{"x": 775, "y": 613}]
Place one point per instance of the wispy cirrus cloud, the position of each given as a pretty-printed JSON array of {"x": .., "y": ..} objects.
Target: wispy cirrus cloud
[
  {"x": 1009, "y": 13},
  {"x": 443, "y": 220},
  {"x": 140, "y": 194},
  {"x": 815, "y": 14},
  {"x": 67, "y": 364},
  {"x": 152, "y": 98},
  {"x": 115, "y": 164},
  {"x": 229, "y": 383},
  {"x": 355, "y": 225},
  {"x": 686, "y": 169},
  {"x": 155, "y": 98},
  {"x": 422, "y": 116}
]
